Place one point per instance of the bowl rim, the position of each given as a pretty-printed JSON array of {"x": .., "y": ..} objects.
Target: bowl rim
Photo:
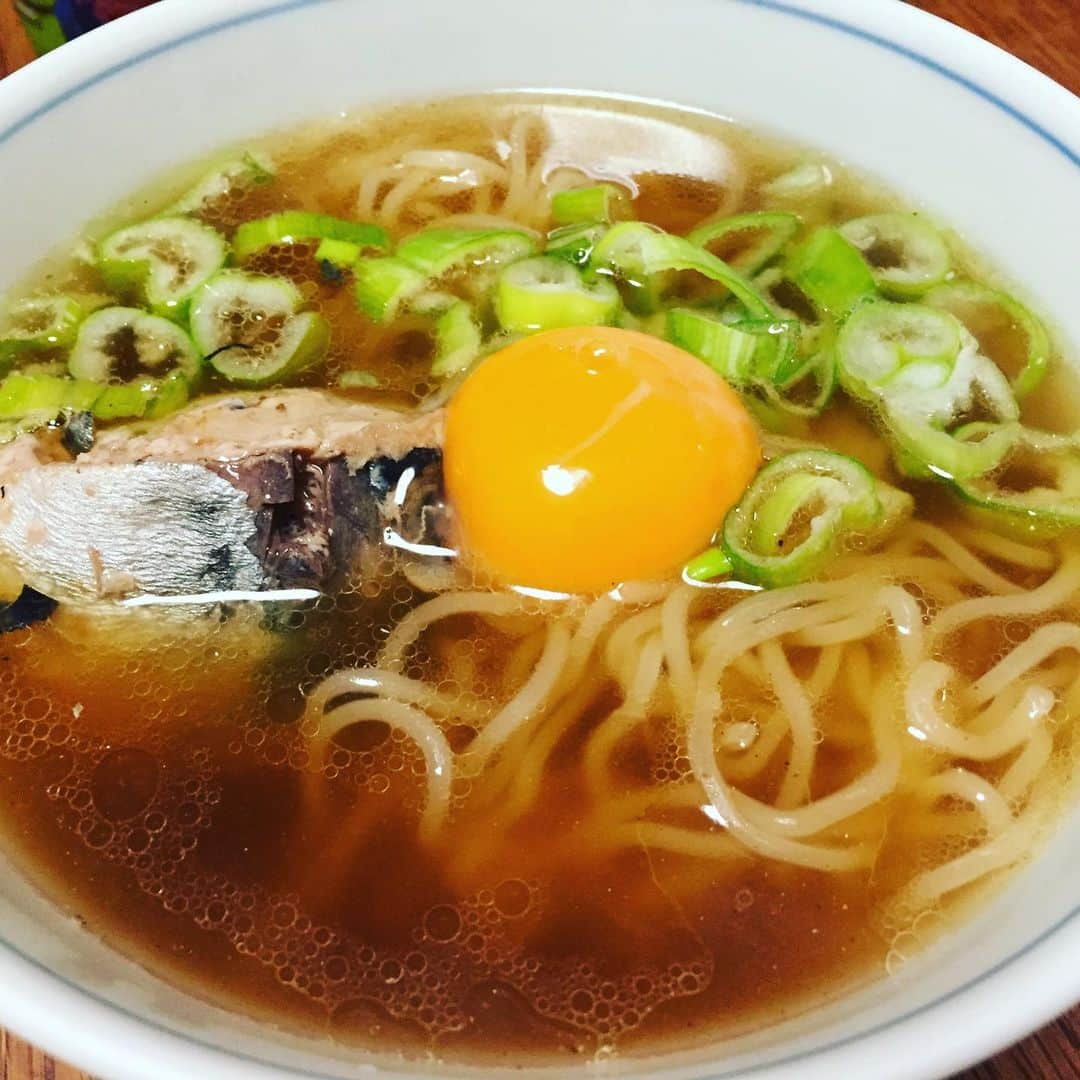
[{"x": 113, "y": 1041}]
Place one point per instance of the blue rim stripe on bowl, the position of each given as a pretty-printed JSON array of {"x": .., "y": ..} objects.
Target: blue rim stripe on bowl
[
  {"x": 773, "y": 5},
  {"x": 923, "y": 61}
]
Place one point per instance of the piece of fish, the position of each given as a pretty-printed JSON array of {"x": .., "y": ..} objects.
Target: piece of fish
[{"x": 236, "y": 493}]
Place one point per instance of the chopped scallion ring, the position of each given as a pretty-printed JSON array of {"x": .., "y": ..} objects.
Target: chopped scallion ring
[
  {"x": 164, "y": 259},
  {"x": 831, "y": 273},
  {"x": 637, "y": 253},
  {"x": 763, "y": 235},
  {"x": 574, "y": 243},
  {"x": 248, "y": 170},
  {"x": 591, "y": 202},
  {"x": 251, "y": 330},
  {"x": 986, "y": 313},
  {"x": 39, "y": 323},
  {"x": 384, "y": 285},
  {"x": 301, "y": 226},
  {"x": 796, "y": 514},
  {"x": 1035, "y": 487},
  {"x": 435, "y": 252},
  {"x": 545, "y": 293},
  {"x": 712, "y": 563},
  {"x": 123, "y": 343},
  {"x": 906, "y": 255}
]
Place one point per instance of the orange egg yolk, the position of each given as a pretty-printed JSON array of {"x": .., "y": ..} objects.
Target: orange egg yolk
[{"x": 577, "y": 459}]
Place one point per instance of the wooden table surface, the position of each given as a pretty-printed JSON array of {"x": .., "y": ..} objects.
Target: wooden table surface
[{"x": 1045, "y": 33}]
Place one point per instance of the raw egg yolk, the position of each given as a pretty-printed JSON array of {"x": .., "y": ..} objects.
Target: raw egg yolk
[{"x": 577, "y": 459}]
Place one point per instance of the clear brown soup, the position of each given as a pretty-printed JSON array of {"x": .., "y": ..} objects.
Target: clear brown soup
[{"x": 156, "y": 780}]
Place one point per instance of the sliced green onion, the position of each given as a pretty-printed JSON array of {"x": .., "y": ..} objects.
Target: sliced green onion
[
  {"x": 927, "y": 451},
  {"x": 763, "y": 234},
  {"x": 454, "y": 329},
  {"x": 985, "y": 311},
  {"x": 818, "y": 372},
  {"x": 592, "y": 202},
  {"x": 146, "y": 397},
  {"x": 920, "y": 361},
  {"x": 779, "y": 357},
  {"x": 165, "y": 259},
  {"x": 383, "y": 285},
  {"x": 457, "y": 340},
  {"x": 1035, "y": 488},
  {"x": 900, "y": 345},
  {"x": 636, "y": 253},
  {"x": 784, "y": 297},
  {"x": 712, "y": 563},
  {"x": 654, "y": 324},
  {"x": 357, "y": 380},
  {"x": 831, "y": 273},
  {"x": 246, "y": 171},
  {"x": 574, "y": 243},
  {"x": 897, "y": 506},
  {"x": 150, "y": 398},
  {"x": 798, "y": 513},
  {"x": 545, "y": 293},
  {"x": 771, "y": 418},
  {"x": 38, "y": 323},
  {"x": 907, "y": 256},
  {"x": 168, "y": 395},
  {"x": 749, "y": 352},
  {"x": 300, "y": 226},
  {"x": 925, "y": 373},
  {"x": 728, "y": 350},
  {"x": 435, "y": 252},
  {"x": 37, "y": 396},
  {"x": 251, "y": 330},
  {"x": 339, "y": 253},
  {"x": 122, "y": 343},
  {"x": 806, "y": 181},
  {"x": 124, "y": 400},
  {"x": 761, "y": 355},
  {"x": 774, "y": 445},
  {"x": 37, "y": 399}
]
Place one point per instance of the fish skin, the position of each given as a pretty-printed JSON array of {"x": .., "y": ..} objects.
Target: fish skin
[
  {"x": 228, "y": 514},
  {"x": 89, "y": 532}
]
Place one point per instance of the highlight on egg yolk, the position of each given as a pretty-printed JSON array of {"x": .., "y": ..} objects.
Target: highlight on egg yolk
[{"x": 577, "y": 459}]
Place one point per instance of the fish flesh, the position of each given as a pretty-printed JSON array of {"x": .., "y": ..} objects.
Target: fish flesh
[{"x": 236, "y": 493}]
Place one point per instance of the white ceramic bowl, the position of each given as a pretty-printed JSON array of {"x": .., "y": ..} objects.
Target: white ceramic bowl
[{"x": 952, "y": 122}]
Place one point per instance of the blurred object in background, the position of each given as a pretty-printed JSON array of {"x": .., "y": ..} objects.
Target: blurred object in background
[{"x": 50, "y": 23}]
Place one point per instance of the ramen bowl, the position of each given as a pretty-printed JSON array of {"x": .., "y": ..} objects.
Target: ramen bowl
[{"x": 950, "y": 122}]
